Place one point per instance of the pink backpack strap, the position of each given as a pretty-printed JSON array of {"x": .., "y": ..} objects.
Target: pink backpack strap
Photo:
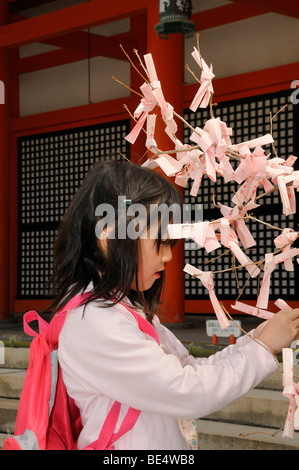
[
  {"x": 43, "y": 325},
  {"x": 143, "y": 324},
  {"x": 31, "y": 316},
  {"x": 58, "y": 320},
  {"x": 107, "y": 435},
  {"x": 127, "y": 424}
]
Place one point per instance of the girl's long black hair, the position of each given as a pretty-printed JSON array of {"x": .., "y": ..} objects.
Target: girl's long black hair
[{"x": 78, "y": 258}]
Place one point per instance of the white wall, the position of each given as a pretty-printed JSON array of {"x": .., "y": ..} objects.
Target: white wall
[
  {"x": 253, "y": 44},
  {"x": 244, "y": 46}
]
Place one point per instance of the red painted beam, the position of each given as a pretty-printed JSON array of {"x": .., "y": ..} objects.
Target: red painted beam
[
  {"x": 105, "y": 111},
  {"x": 109, "y": 47},
  {"x": 18, "y": 5},
  {"x": 205, "y": 306},
  {"x": 224, "y": 15},
  {"x": 78, "y": 41},
  {"x": 67, "y": 20},
  {"x": 249, "y": 84},
  {"x": 47, "y": 60},
  {"x": 99, "y": 45},
  {"x": 282, "y": 7}
]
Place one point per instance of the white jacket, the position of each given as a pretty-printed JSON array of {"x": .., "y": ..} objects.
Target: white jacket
[{"x": 105, "y": 357}]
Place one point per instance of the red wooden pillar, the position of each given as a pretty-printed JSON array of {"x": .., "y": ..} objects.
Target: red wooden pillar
[
  {"x": 4, "y": 175},
  {"x": 168, "y": 56}
]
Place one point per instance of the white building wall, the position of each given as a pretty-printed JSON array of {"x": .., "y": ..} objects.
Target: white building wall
[{"x": 253, "y": 44}]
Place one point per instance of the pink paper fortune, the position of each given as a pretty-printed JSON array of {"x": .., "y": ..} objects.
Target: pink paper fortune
[
  {"x": 203, "y": 94},
  {"x": 146, "y": 105},
  {"x": 270, "y": 265},
  {"x": 251, "y": 310},
  {"x": 206, "y": 278},
  {"x": 169, "y": 165}
]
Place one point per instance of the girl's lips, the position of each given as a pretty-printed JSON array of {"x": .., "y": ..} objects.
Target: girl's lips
[{"x": 157, "y": 274}]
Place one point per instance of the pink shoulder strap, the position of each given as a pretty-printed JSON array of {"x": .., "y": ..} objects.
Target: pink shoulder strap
[
  {"x": 30, "y": 316},
  {"x": 107, "y": 435},
  {"x": 143, "y": 324}
]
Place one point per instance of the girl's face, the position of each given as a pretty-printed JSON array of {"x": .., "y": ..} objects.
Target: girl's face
[{"x": 151, "y": 261}]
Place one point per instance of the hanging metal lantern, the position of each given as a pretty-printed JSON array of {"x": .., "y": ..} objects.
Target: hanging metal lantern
[{"x": 174, "y": 18}]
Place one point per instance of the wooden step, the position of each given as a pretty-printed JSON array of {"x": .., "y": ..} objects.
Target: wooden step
[{"x": 215, "y": 435}]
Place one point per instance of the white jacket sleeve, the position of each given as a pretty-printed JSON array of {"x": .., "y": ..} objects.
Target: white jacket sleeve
[
  {"x": 107, "y": 354},
  {"x": 177, "y": 348}
]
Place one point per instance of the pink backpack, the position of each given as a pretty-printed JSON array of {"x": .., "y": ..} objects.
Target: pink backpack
[{"x": 48, "y": 418}]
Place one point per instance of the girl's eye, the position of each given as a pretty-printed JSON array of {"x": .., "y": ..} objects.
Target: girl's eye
[{"x": 165, "y": 242}]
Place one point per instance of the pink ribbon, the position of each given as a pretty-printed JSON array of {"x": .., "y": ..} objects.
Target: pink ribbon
[
  {"x": 150, "y": 66},
  {"x": 230, "y": 240},
  {"x": 132, "y": 136},
  {"x": 244, "y": 234},
  {"x": 192, "y": 169},
  {"x": 197, "y": 180},
  {"x": 258, "y": 142},
  {"x": 287, "y": 236},
  {"x": 287, "y": 195},
  {"x": 251, "y": 310},
  {"x": 270, "y": 265},
  {"x": 212, "y": 140},
  {"x": 206, "y": 277},
  {"x": 201, "y": 232},
  {"x": 169, "y": 165},
  {"x": 281, "y": 304},
  {"x": 259, "y": 312},
  {"x": 150, "y": 132},
  {"x": 286, "y": 255},
  {"x": 146, "y": 105},
  {"x": 203, "y": 94}
]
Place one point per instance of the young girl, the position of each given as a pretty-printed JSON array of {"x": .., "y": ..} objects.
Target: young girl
[{"x": 103, "y": 354}]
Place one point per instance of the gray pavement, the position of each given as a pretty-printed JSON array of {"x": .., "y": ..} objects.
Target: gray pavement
[{"x": 194, "y": 329}]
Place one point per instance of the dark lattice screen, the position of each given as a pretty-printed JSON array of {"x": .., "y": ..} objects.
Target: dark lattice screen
[
  {"x": 249, "y": 118},
  {"x": 51, "y": 169}
]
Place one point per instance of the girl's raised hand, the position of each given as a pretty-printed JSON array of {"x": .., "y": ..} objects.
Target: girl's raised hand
[{"x": 280, "y": 330}]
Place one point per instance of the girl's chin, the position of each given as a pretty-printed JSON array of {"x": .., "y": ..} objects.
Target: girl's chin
[{"x": 147, "y": 285}]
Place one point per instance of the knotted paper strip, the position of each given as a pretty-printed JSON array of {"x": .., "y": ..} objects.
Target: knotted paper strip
[
  {"x": 270, "y": 265},
  {"x": 244, "y": 260},
  {"x": 203, "y": 94},
  {"x": 146, "y": 105},
  {"x": 285, "y": 239},
  {"x": 281, "y": 304},
  {"x": 169, "y": 165},
  {"x": 150, "y": 132},
  {"x": 251, "y": 310},
  {"x": 206, "y": 278},
  {"x": 201, "y": 232}
]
